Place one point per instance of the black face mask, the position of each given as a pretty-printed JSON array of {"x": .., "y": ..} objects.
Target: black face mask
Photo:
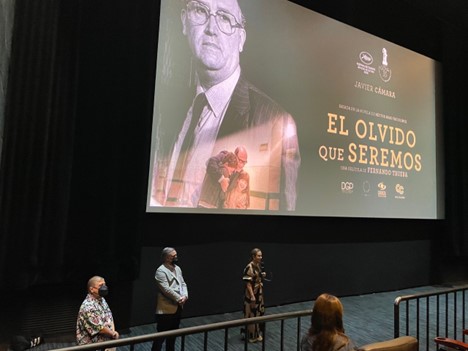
[
  {"x": 103, "y": 291},
  {"x": 175, "y": 260}
]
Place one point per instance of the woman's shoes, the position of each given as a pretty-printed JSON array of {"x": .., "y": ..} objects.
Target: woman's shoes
[{"x": 259, "y": 339}]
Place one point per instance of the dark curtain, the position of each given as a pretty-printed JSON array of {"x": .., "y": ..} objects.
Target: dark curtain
[
  {"x": 78, "y": 115},
  {"x": 36, "y": 165},
  {"x": 118, "y": 39},
  {"x": 454, "y": 243}
]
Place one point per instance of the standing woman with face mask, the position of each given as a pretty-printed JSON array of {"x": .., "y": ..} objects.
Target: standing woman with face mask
[
  {"x": 254, "y": 304},
  {"x": 95, "y": 322}
]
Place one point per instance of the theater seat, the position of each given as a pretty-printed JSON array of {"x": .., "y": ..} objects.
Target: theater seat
[
  {"x": 447, "y": 343},
  {"x": 402, "y": 343}
]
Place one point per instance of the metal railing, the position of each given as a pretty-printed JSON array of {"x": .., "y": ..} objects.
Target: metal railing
[
  {"x": 281, "y": 340},
  {"x": 427, "y": 315}
]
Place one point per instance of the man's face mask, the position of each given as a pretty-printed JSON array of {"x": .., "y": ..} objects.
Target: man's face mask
[
  {"x": 103, "y": 291},
  {"x": 175, "y": 260}
]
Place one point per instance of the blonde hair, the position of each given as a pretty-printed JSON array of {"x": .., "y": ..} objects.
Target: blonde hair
[
  {"x": 254, "y": 252},
  {"x": 93, "y": 280}
]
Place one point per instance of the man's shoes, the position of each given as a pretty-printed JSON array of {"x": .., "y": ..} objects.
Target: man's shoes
[
  {"x": 36, "y": 341},
  {"x": 253, "y": 340},
  {"x": 21, "y": 343}
]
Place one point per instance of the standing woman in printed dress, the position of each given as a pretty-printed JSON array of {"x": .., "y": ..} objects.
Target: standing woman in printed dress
[{"x": 254, "y": 305}]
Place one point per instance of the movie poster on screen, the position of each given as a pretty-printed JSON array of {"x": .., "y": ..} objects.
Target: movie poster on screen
[{"x": 355, "y": 118}]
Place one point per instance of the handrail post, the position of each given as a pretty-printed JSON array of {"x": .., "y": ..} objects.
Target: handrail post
[{"x": 396, "y": 317}]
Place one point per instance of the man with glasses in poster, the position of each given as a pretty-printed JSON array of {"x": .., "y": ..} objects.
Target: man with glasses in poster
[{"x": 227, "y": 110}]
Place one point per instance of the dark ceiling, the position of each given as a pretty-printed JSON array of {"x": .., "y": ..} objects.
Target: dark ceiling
[{"x": 453, "y": 13}]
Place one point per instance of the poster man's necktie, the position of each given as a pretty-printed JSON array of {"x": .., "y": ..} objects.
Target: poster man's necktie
[{"x": 185, "y": 151}]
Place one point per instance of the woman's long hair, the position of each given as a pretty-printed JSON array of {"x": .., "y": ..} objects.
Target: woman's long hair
[{"x": 327, "y": 322}]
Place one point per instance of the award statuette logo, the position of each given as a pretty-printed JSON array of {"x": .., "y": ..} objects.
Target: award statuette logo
[{"x": 384, "y": 71}]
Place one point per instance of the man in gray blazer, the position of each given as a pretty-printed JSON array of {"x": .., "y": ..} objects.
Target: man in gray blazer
[{"x": 171, "y": 297}]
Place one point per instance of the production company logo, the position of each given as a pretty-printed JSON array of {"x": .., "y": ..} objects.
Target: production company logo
[
  {"x": 347, "y": 187},
  {"x": 400, "y": 190},
  {"x": 382, "y": 190}
]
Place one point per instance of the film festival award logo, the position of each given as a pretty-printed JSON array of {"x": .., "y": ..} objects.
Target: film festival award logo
[
  {"x": 366, "y": 187},
  {"x": 384, "y": 71},
  {"x": 365, "y": 64}
]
